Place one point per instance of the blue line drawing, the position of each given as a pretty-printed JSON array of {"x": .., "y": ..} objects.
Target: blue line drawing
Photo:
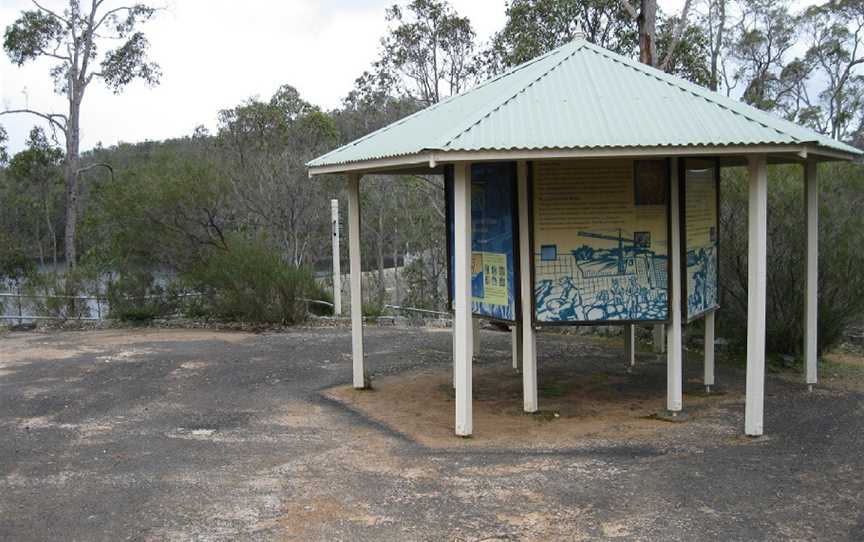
[
  {"x": 703, "y": 294},
  {"x": 590, "y": 284}
]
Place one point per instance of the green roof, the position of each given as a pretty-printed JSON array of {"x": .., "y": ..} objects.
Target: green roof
[{"x": 579, "y": 96}]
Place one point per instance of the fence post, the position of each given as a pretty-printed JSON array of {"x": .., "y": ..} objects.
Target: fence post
[{"x": 18, "y": 291}]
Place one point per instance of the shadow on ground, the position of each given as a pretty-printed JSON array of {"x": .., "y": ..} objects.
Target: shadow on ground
[{"x": 178, "y": 435}]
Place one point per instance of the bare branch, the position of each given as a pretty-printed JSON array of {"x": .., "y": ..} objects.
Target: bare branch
[
  {"x": 50, "y": 117},
  {"x": 94, "y": 166},
  {"x": 676, "y": 35},
  {"x": 51, "y": 13}
]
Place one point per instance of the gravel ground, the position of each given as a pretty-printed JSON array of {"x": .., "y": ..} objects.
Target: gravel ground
[{"x": 203, "y": 435}]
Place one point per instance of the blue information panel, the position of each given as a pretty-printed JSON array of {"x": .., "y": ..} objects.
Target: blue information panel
[
  {"x": 493, "y": 226},
  {"x": 700, "y": 221},
  {"x": 600, "y": 241}
]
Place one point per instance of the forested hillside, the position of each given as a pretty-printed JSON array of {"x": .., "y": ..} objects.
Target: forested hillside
[{"x": 233, "y": 216}]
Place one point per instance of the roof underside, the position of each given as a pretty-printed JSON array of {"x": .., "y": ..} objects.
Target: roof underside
[{"x": 579, "y": 96}]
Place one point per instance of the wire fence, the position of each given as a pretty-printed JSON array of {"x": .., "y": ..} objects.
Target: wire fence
[{"x": 27, "y": 308}]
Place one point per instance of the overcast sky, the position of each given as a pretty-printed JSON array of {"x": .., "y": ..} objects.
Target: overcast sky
[{"x": 216, "y": 53}]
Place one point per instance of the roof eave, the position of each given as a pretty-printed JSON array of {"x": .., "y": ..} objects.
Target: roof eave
[{"x": 428, "y": 162}]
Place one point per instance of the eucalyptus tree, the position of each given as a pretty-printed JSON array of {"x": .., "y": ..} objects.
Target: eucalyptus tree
[
  {"x": 835, "y": 35},
  {"x": 99, "y": 41},
  {"x": 534, "y": 27},
  {"x": 428, "y": 50}
]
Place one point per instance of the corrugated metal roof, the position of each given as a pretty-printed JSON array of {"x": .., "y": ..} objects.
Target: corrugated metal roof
[{"x": 579, "y": 96}]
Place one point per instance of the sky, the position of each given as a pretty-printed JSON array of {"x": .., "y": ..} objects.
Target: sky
[{"x": 214, "y": 55}]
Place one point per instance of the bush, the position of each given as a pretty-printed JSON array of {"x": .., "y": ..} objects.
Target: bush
[
  {"x": 249, "y": 282},
  {"x": 56, "y": 294},
  {"x": 841, "y": 234},
  {"x": 136, "y": 297}
]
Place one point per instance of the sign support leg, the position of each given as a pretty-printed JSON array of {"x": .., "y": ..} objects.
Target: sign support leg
[
  {"x": 709, "y": 351},
  {"x": 516, "y": 342},
  {"x": 337, "y": 264},
  {"x": 756, "y": 284},
  {"x": 462, "y": 321},
  {"x": 475, "y": 336},
  {"x": 630, "y": 344}
]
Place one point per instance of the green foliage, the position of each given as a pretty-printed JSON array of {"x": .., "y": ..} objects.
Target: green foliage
[
  {"x": 249, "y": 282},
  {"x": 535, "y": 27},
  {"x": 137, "y": 297},
  {"x": 840, "y": 257},
  {"x": 56, "y": 294},
  {"x": 429, "y": 46}
]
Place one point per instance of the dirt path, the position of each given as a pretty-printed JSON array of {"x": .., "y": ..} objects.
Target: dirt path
[{"x": 182, "y": 435}]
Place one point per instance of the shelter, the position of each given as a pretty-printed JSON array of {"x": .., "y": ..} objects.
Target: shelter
[{"x": 613, "y": 167}]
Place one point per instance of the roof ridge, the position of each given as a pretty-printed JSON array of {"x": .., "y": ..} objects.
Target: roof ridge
[
  {"x": 748, "y": 112},
  {"x": 435, "y": 106},
  {"x": 579, "y": 43}
]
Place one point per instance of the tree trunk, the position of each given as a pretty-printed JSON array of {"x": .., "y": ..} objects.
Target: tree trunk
[
  {"x": 647, "y": 21},
  {"x": 70, "y": 173},
  {"x": 717, "y": 46}
]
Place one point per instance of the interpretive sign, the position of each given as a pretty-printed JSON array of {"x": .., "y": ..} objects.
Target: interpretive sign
[
  {"x": 700, "y": 227},
  {"x": 493, "y": 240},
  {"x": 600, "y": 241}
]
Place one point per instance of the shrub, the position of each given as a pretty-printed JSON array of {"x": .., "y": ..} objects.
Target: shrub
[
  {"x": 249, "y": 282},
  {"x": 137, "y": 297},
  {"x": 841, "y": 236}
]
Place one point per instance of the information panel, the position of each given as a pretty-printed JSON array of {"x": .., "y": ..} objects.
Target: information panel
[
  {"x": 493, "y": 248},
  {"x": 600, "y": 241},
  {"x": 700, "y": 227}
]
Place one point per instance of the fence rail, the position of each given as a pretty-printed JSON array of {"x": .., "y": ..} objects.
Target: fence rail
[{"x": 97, "y": 301}]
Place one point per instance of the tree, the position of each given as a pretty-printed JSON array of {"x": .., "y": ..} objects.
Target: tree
[
  {"x": 35, "y": 176},
  {"x": 760, "y": 44},
  {"x": 75, "y": 41},
  {"x": 835, "y": 32},
  {"x": 428, "y": 47},
  {"x": 535, "y": 27},
  {"x": 264, "y": 147}
]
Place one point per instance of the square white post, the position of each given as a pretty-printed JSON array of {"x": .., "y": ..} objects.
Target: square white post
[
  {"x": 757, "y": 259},
  {"x": 811, "y": 299},
  {"x": 356, "y": 297},
  {"x": 516, "y": 343},
  {"x": 709, "y": 351},
  {"x": 674, "y": 364},
  {"x": 529, "y": 344},
  {"x": 630, "y": 344},
  {"x": 462, "y": 320}
]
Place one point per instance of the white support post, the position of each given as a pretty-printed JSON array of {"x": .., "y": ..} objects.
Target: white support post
[
  {"x": 337, "y": 264},
  {"x": 709, "y": 351},
  {"x": 630, "y": 344},
  {"x": 516, "y": 343},
  {"x": 757, "y": 245},
  {"x": 356, "y": 297},
  {"x": 462, "y": 320},
  {"x": 529, "y": 342},
  {"x": 674, "y": 362},
  {"x": 659, "y": 338},
  {"x": 475, "y": 336},
  {"x": 811, "y": 299}
]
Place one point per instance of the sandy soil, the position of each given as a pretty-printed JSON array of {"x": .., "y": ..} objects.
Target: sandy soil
[{"x": 577, "y": 409}]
